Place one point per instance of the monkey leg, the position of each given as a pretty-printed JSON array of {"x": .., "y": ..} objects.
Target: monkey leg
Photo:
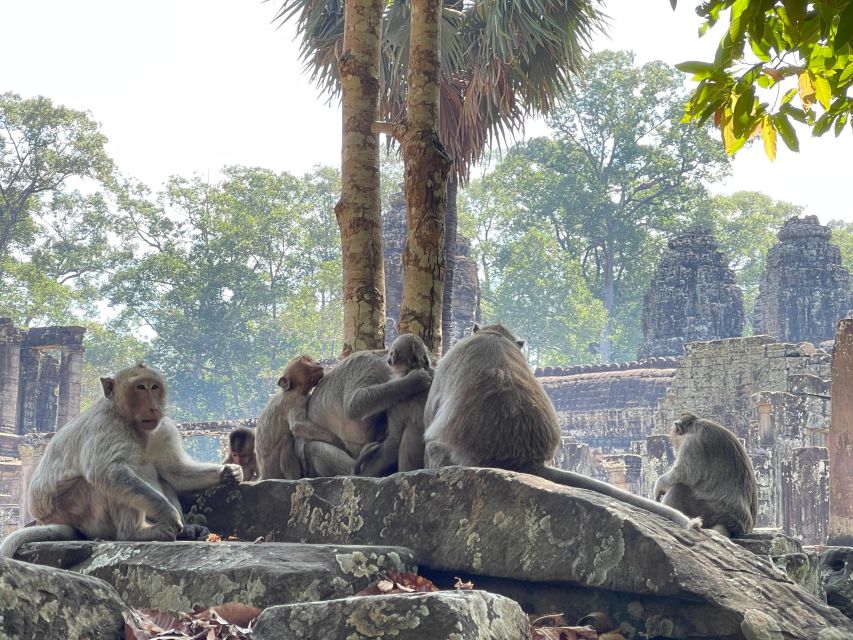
[
  {"x": 310, "y": 431},
  {"x": 411, "y": 454},
  {"x": 322, "y": 460},
  {"x": 190, "y": 531},
  {"x": 378, "y": 459}
]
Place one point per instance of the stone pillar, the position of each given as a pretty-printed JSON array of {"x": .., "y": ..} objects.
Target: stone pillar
[
  {"x": 693, "y": 296},
  {"x": 31, "y": 452},
  {"x": 805, "y": 499},
  {"x": 70, "y": 376},
  {"x": 574, "y": 456},
  {"x": 10, "y": 361},
  {"x": 766, "y": 431},
  {"x": 841, "y": 438}
]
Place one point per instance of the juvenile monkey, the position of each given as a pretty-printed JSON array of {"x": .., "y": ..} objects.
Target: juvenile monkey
[
  {"x": 486, "y": 409},
  {"x": 712, "y": 477},
  {"x": 114, "y": 471},
  {"x": 403, "y": 447},
  {"x": 281, "y": 455},
  {"x": 347, "y": 406},
  {"x": 241, "y": 451}
]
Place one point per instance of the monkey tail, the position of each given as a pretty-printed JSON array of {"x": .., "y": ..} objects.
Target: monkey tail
[
  {"x": 571, "y": 479},
  {"x": 44, "y": 533}
]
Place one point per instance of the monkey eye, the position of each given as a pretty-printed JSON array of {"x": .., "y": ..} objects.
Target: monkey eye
[
  {"x": 140, "y": 386},
  {"x": 155, "y": 386}
]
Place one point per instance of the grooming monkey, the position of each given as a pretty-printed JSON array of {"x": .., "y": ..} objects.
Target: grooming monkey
[
  {"x": 403, "y": 447},
  {"x": 347, "y": 407},
  {"x": 241, "y": 451},
  {"x": 712, "y": 477},
  {"x": 114, "y": 471},
  {"x": 486, "y": 409},
  {"x": 281, "y": 455}
]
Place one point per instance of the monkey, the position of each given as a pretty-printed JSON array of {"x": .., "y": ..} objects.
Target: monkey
[
  {"x": 486, "y": 409},
  {"x": 347, "y": 407},
  {"x": 281, "y": 455},
  {"x": 403, "y": 447},
  {"x": 114, "y": 471},
  {"x": 241, "y": 451},
  {"x": 712, "y": 477}
]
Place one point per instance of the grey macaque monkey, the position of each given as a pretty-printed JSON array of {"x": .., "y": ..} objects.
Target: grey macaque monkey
[
  {"x": 486, "y": 409},
  {"x": 712, "y": 477},
  {"x": 403, "y": 447}
]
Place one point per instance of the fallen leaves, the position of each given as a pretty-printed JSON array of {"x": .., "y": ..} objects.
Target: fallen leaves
[
  {"x": 399, "y": 582},
  {"x": 229, "y": 621}
]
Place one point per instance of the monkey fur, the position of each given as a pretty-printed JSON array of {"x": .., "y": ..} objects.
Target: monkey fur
[
  {"x": 403, "y": 447},
  {"x": 278, "y": 452},
  {"x": 712, "y": 477},
  {"x": 347, "y": 407},
  {"x": 486, "y": 409},
  {"x": 241, "y": 451},
  {"x": 114, "y": 471}
]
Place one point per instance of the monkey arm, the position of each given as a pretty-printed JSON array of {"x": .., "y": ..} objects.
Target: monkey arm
[
  {"x": 175, "y": 466},
  {"x": 666, "y": 481},
  {"x": 118, "y": 479},
  {"x": 365, "y": 402},
  {"x": 310, "y": 431}
]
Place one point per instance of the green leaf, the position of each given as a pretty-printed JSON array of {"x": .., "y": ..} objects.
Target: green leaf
[
  {"x": 846, "y": 74},
  {"x": 822, "y": 125},
  {"x": 823, "y": 91},
  {"x": 742, "y": 112},
  {"x": 844, "y": 33},
  {"x": 839, "y": 124},
  {"x": 786, "y": 130},
  {"x": 768, "y": 137},
  {"x": 700, "y": 70}
]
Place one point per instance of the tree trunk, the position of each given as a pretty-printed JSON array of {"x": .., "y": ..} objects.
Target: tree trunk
[
  {"x": 449, "y": 263},
  {"x": 606, "y": 347},
  {"x": 426, "y": 176},
  {"x": 358, "y": 210}
]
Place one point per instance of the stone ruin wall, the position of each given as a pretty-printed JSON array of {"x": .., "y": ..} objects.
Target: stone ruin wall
[{"x": 775, "y": 396}]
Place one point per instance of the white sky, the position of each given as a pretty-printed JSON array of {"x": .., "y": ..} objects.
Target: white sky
[{"x": 189, "y": 86}]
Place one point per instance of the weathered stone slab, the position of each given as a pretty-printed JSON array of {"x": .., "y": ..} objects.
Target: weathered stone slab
[
  {"x": 836, "y": 572},
  {"x": 43, "y": 603},
  {"x": 446, "y": 615},
  {"x": 174, "y": 576},
  {"x": 497, "y": 523},
  {"x": 787, "y": 553}
]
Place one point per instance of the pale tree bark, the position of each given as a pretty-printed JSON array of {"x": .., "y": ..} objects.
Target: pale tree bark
[
  {"x": 450, "y": 226},
  {"x": 358, "y": 211},
  {"x": 427, "y": 170}
]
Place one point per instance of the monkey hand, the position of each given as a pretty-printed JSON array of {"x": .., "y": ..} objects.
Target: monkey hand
[
  {"x": 231, "y": 474},
  {"x": 418, "y": 380},
  {"x": 658, "y": 491}
]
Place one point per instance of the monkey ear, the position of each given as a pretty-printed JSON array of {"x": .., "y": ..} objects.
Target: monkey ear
[
  {"x": 520, "y": 344},
  {"x": 108, "y": 384},
  {"x": 476, "y": 327},
  {"x": 285, "y": 383}
]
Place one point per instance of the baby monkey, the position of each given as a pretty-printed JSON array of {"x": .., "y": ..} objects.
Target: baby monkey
[
  {"x": 403, "y": 447},
  {"x": 712, "y": 477},
  {"x": 241, "y": 447}
]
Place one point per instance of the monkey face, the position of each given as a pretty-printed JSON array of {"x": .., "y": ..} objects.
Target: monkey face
[
  {"x": 144, "y": 403},
  {"x": 242, "y": 459},
  {"x": 302, "y": 374}
]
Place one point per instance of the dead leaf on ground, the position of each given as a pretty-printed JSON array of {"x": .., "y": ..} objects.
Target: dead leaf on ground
[
  {"x": 213, "y": 537},
  {"x": 229, "y": 621},
  {"x": 397, "y": 582},
  {"x": 460, "y": 586}
]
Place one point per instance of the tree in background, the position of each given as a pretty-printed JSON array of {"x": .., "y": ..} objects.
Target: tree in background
[
  {"x": 49, "y": 237},
  {"x": 619, "y": 172},
  {"x": 500, "y": 61},
  {"x": 798, "y": 49},
  {"x": 231, "y": 279}
]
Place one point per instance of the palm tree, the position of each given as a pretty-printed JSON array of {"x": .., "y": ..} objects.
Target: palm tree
[{"x": 501, "y": 61}]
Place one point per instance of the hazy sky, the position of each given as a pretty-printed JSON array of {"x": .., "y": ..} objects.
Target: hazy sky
[{"x": 189, "y": 86}]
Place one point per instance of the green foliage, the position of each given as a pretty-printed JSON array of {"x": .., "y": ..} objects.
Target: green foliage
[
  {"x": 619, "y": 172},
  {"x": 795, "y": 49},
  {"x": 233, "y": 279},
  {"x": 50, "y": 239},
  {"x": 842, "y": 237}
]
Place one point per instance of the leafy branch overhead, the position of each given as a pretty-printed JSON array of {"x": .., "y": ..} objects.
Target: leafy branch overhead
[{"x": 778, "y": 62}]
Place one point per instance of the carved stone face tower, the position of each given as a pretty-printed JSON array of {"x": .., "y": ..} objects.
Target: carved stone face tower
[
  {"x": 804, "y": 291},
  {"x": 693, "y": 296}
]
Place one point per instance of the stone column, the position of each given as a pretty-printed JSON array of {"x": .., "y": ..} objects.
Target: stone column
[
  {"x": 841, "y": 438},
  {"x": 70, "y": 375},
  {"x": 31, "y": 452},
  {"x": 10, "y": 363}
]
